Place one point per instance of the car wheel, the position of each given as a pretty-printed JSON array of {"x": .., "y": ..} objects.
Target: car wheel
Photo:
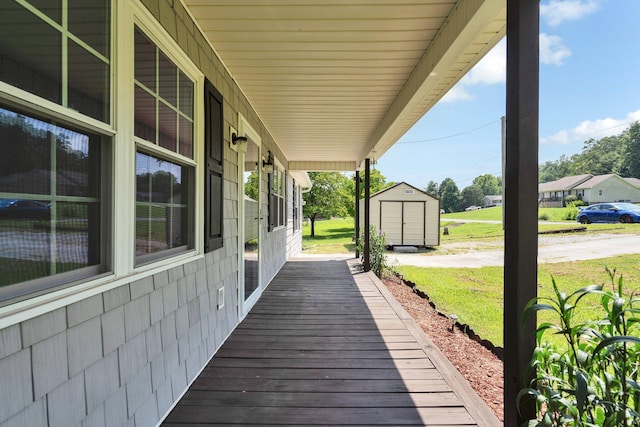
[
  {"x": 625, "y": 219},
  {"x": 584, "y": 220}
]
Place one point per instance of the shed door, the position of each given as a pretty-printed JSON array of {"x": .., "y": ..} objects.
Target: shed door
[
  {"x": 413, "y": 223},
  {"x": 391, "y": 221},
  {"x": 403, "y": 222}
]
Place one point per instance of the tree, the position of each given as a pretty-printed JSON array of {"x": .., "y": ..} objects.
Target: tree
[
  {"x": 601, "y": 156},
  {"x": 553, "y": 170},
  {"x": 432, "y": 189},
  {"x": 327, "y": 197},
  {"x": 488, "y": 185},
  {"x": 631, "y": 163},
  {"x": 471, "y": 195},
  {"x": 449, "y": 196},
  {"x": 252, "y": 186},
  {"x": 377, "y": 182}
]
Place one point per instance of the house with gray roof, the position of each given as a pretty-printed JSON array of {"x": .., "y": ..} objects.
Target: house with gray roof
[{"x": 590, "y": 188}]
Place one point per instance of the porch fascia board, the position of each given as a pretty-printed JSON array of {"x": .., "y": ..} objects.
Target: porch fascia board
[{"x": 431, "y": 79}]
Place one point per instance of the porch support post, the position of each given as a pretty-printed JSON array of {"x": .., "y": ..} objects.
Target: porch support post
[
  {"x": 357, "y": 211},
  {"x": 367, "y": 193},
  {"x": 521, "y": 194}
]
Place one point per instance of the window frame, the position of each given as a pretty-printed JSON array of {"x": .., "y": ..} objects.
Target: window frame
[
  {"x": 277, "y": 197},
  {"x": 171, "y": 51}
]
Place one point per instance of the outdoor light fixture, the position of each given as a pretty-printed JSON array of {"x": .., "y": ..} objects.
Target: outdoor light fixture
[
  {"x": 236, "y": 138},
  {"x": 267, "y": 165}
]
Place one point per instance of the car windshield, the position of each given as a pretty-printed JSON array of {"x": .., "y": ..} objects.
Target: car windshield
[{"x": 627, "y": 207}]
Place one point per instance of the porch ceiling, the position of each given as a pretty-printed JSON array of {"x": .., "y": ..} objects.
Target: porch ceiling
[{"x": 337, "y": 81}]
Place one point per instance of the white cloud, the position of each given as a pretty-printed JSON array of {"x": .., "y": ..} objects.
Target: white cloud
[
  {"x": 488, "y": 71},
  {"x": 552, "y": 51},
  {"x": 596, "y": 129},
  {"x": 457, "y": 93},
  {"x": 491, "y": 69},
  {"x": 559, "y": 11}
]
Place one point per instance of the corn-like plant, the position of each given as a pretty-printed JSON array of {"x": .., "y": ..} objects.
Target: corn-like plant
[
  {"x": 593, "y": 379},
  {"x": 377, "y": 249}
]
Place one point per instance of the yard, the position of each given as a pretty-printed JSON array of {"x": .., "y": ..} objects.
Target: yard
[{"x": 475, "y": 295}]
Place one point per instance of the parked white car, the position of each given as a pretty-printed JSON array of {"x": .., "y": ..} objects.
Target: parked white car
[{"x": 473, "y": 208}]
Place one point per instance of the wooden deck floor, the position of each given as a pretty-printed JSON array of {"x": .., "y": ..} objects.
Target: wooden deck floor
[{"x": 324, "y": 346}]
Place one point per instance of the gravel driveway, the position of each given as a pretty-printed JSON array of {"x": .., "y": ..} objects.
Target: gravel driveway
[{"x": 571, "y": 247}]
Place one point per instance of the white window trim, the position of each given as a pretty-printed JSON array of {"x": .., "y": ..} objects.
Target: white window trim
[{"x": 277, "y": 166}]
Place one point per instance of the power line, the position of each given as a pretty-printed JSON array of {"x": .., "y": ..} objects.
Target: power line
[{"x": 450, "y": 136}]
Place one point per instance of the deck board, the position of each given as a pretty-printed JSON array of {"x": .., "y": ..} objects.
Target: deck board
[{"x": 324, "y": 346}]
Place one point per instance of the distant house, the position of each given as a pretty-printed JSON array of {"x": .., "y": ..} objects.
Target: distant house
[
  {"x": 590, "y": 188},
  {"x": 489, "y": 201}
]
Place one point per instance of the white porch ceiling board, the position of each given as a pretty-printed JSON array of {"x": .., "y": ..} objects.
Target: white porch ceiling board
[{"x": 334, "y": 80}]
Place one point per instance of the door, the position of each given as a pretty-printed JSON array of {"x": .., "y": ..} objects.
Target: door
[
  {"x": 403, "y": 222},
  {"x": 391, "y": 221},
  {"x": 413, "y": 223},
  {"x": 250, "y": 225}
]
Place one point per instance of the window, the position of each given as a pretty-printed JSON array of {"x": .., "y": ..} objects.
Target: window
[
  {"x": 600, "y": 192},
  {"x": 277, "y": 215},
  {"x": 52, "y": 202},
  {"x": 165, "y": 172},
  {"x": 296, "y": 206},
  {"x": 59, "y": 52}
]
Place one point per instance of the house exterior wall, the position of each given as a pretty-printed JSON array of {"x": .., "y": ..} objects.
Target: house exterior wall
[
  {"x": 121, "y": 352},
  {"x": 613, "y": 189}
]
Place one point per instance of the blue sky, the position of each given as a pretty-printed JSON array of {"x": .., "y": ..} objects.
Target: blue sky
[{"x": 589, "y": 88}]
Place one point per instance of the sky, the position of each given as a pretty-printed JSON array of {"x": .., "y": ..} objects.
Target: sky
[{"x": 589, "y": 88}]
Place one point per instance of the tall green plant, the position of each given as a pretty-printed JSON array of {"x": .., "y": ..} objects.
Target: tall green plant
[
  {"x": 593, "y": 380},
  {"x": 377, "y": 250}
]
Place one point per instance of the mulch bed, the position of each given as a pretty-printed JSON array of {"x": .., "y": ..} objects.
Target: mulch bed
[{"x": 483, "y": 369}]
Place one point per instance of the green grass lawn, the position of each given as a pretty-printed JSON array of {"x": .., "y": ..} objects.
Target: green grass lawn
[
  {"x": 475, "y": 295},
  {"x": 332, "y": 236}
]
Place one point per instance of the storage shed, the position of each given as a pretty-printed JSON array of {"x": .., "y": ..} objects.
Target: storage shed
[{"x": 407, "y": 215}]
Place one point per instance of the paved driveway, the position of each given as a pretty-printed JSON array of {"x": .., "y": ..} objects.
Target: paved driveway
[{"x": 552, "y": 249}]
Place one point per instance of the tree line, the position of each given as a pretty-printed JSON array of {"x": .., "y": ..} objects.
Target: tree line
[
  {"x": 619, "y": 154},
  {"x": 332, "y": 193}
]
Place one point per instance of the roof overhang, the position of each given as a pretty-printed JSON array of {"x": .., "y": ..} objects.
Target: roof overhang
[{"x": 337, "y": 82}]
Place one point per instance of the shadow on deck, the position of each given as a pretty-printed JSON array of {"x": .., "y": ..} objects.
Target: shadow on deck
[{"x": 326, "y": 345}]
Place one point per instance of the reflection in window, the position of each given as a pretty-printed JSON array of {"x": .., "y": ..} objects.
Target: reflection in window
[
  {"x": 66, "y": 62},
  {"x": 50, "y": 199},
  {"x": 163, "y": 215},
  {"x": 163, "y": 99}
]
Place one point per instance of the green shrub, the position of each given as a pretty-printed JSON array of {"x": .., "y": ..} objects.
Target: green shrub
[
  {"x": 571, "y": 212},
  {"x": 593, "y": 380},
  {"x": 377, "y": 250},
  {"x": 543, "y": 217}
]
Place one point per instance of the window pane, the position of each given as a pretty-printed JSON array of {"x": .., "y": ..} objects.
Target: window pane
[
  {"x": 186, "y": 137},
  {"x": 145, "y": 61},
  {"x": 30, "y": 53},
  {"x": 51, "y": 8},
  {"x": 168, "y": 80},
  {"x": 186, "y": 96},
  {"x": 89, "y": 21},
  {"x": 88, "y": 83},
  {"x": 167, "y": 127},
  {"x": 43, "y": 232},
  {"x": 162, "y": 209},
  {"x": 145, "y": 112},
  {"x": 172, "y": 100}
]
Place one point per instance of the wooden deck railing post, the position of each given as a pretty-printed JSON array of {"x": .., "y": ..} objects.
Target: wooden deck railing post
[
  {"x": 357, "y": 212},
  {"x": 520, "y": 204},
  {"x": 367, "y": 193}
]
